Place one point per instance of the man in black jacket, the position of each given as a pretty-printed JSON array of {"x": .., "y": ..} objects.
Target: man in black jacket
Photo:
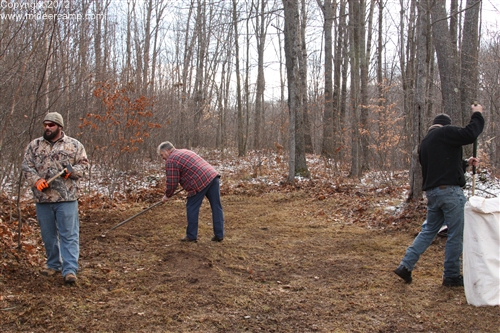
[{"x": 443, "y": 171}]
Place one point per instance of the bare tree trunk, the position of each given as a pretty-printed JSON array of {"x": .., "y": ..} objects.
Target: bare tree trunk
[
  {"x": 128, "y": 51},
  {"x": 226, "y": 99},
  {"x": 354, "y": 56},
  {"x": 138, "y": 54},
  {"x": 447, "y": 61},
  {"x": 261, "y": 24},
  {"x": 407, "y": 64},
  {"x": 469, "y": 82},
  {"x": 340, "y": 82},
  {"x": 147, "y": 46},
  {"x": 292, "y": 51},
  {"x": 247, "y": 108},
  {"x": 199, "y": 87},
  {"x": 241, "y": 143},
  {"x": 424, "y": 48},
  {"x": 159, "y": 15},
  {"x": 98, "y": 41},
  {"x": 187, "y": 70},
  {"x": 306, "y": 123},
  {"x": 380, "y": 52},
  {"x": 49, "y": 50},
  {"x": 364, "y": 56},
  {"x": 327, "y": 149},
  {"x": 301, "y": 119}
]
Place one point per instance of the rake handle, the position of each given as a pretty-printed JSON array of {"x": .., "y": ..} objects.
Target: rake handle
[{"x": 474, "y": 154}]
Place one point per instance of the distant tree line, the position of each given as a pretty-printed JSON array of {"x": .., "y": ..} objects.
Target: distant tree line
[{"x": 356, "y": 81}]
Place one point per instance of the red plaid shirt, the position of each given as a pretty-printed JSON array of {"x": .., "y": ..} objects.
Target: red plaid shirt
[{"x": 188, "y": 169}]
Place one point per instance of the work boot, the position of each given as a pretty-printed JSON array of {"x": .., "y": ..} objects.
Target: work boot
[
  {"x": 187, "y": 239},
  {"x": 403, "y": 273},
  {"x": 217, "y": 239},
  {"x": 453, "y": 282},
  {"x": 70, "y": 278},
  {"x": 49, "y": 271}
]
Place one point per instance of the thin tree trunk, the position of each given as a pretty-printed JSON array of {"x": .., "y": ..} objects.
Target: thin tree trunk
[
  {"x": 199, "y": 87},
  {"x": 340, "y": 82},
  {"x": 354, "y": 56},
  {"x": 292, "y": 50},
  {"x": 365, "y": 50},
  {"x": 447, "y": 62},
  {"x": 306, "y": 126},
  {"x": 420, "y": 97},
  {"x": 261, "y": 32},
  {"x": 147, "y": 46},
  {"x": 241, "y": 143},
  {"x": 302, "y": 126},
  {"x": 327, "y": 149},
  {"x": 469, "y": 82}
]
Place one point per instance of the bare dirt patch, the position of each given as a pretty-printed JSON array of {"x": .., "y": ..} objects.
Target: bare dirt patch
[{"x": 290, "y": 262}]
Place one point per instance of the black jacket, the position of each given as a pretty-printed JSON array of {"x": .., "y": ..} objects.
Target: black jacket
[{"x": 440, "y": 153}]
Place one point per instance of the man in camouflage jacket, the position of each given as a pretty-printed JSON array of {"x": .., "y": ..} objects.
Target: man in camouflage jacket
[{"x": 56, "y": 203}]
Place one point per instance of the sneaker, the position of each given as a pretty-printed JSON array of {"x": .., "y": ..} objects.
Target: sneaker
[
  {"x": 187, "y": 239},
  {"x": 453, "y": 282},
  {"x": 217, "y": 239},
  {"x": 70, "y": 278},
  {"x": 403, "y": 273},
  {"x": 49, "y": 271}
]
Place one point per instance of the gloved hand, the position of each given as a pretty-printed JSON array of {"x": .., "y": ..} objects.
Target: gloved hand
[
  {"x": 41, "y": 184},
  {"x": 68, "y": 171}
]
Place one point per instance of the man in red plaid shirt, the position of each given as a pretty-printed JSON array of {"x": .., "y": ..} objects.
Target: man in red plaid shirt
[{"x": 199, "y": 179}]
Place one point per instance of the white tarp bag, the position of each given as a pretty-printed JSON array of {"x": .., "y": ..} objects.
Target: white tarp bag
[{"x": 481, "y": 256}]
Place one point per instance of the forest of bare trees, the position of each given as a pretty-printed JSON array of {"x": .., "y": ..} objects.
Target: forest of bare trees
[{"x": 356, "y": 82}]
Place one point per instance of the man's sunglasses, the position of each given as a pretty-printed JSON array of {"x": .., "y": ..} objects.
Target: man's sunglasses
[{"x": 49, "y": 125}]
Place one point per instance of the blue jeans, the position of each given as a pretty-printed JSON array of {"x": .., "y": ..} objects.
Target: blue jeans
[
  {"x": 60, "y": 228},
  {"x": 193, "y": 204},
  {"x": 444, "y": 206}
]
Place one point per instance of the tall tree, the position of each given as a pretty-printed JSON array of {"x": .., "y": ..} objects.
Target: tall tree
[
  {"x": 304, "y": 117},
  {"x": 365, "y": 41},
  {"x": 261, "y": 24},
  {"x": 292, "y": 54},
  {"x": 199, "y": 97},
  {"x": 328, "y": 11},
  {"x": 447, "y": 61},
  {"x": 240, "y": 133},
  {"x": 418, "y": 119},
  {"x": 147, "y": 46},
  {"x": 354, "y": 57},
  {"x": 469, "y": 81},
  {"x": 302, "y": 126},
  {"x": 159, "y": 11},
  {"x": 340, "y": 80}
]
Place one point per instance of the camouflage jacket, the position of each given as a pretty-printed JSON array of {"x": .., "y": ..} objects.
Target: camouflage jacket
[{"x": 44, "y": 159}]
